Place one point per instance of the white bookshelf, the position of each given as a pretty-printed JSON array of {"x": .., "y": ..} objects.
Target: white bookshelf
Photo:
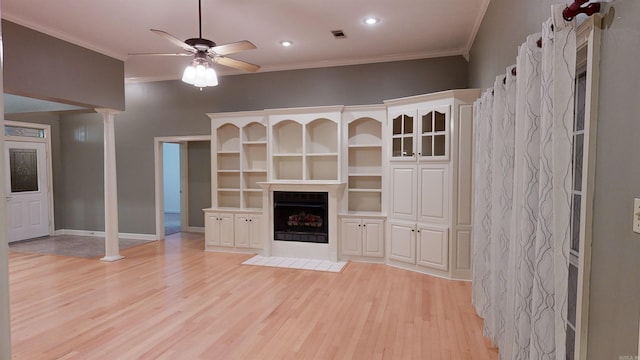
[
  {"x": 239, "y": 160},
  {"x": 365, "y": 165},
  {"x": 305, "y": 144}
]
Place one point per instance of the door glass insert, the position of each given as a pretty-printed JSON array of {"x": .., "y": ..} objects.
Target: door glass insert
[
  {"x": 23, "y": 165},
  {"x": 10, "y": 130}
]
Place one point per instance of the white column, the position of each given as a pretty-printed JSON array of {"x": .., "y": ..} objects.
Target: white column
[{"x": 112, "y": 246}]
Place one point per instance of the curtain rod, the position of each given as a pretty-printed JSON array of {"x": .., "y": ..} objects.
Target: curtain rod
[{"x": 576, "y": 8}]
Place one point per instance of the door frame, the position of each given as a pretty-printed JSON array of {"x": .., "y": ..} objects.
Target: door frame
[
  {"x": 48, "y": 158},
  {"x": 159, "y": 178}
]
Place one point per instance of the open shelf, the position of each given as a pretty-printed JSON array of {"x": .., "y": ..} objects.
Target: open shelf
[
  {"x": 368, "y": 182},
  {"x": 322, "y": 137},
  {"x": 229, "y": 199},
  {"x": 369, "y": 201},
  {"x": 287, "y": 167},
  {"x": 365, "y": 160},
  {"x": 322, "y": 167},
  {"x": 252, "y": 199},
  {"x": 254, "y": 157},
  {"x": 228, "y": 138},
  {"x": 251, "y": 180},
  {"x": 229, "y": 180},
  {"x": 229, "y": 161},
  {"x": 287, "y": 137},
  {"x": 365, "y": 132},
  {"x": 254, "y": 133}
]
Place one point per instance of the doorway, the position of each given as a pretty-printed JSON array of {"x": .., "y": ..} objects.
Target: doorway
[
  {"x": 186, "y": 215},
  {"x": 171, "y": 166},
  {"x": 28, "y": 181}
]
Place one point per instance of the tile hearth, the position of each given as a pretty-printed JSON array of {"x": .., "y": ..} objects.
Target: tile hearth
[{"x": 296, "y": 263}]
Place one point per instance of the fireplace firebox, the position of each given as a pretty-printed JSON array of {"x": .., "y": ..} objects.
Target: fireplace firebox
[{"x": 300, "y": 216}]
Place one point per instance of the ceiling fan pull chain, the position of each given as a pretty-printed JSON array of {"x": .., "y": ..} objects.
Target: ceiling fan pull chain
[{"x": 200, "y": 17}]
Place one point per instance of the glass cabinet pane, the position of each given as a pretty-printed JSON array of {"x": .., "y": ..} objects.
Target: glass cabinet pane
[
  {"x": 397, "y": 147},
  {"x": 397, "y": 125},
  {"x": 427, "y": 123},
  {"x": 408, "y": 146},
  {"x": 408, "y": 124},
  {"x": 427, "y": 146},
  {"x": 439, "y": 145},
  {"x": 440, "y": 121}
]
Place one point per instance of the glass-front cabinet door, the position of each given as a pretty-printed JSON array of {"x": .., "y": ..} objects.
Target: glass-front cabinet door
[
  {"x": 402, "y": 135},
  {"x": 433, "y": 138}
]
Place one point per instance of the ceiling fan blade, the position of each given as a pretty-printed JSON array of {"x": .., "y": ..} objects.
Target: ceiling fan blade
[
  {"x": 232, "y": 48},
  {"x": 160, "y": 54},
  {"x": 236, "y": 64},
  {"x": 175, "y": 40}
]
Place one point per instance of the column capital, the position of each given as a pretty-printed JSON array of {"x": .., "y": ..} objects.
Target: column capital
[{"x": 107, "y": 111}]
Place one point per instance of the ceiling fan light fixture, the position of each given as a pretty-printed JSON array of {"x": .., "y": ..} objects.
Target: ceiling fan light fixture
[
  {"x": 200, "y": 74},
  {"x": 286, "y": 43}
]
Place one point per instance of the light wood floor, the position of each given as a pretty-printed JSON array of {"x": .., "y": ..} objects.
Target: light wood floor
[{"x": 172, "y": 300}]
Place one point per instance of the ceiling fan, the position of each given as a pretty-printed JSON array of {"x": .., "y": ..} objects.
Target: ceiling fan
[{"x": 204, "y": 50}]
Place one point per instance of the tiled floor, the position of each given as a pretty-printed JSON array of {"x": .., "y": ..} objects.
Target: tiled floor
[
  {"x": 69, "y": 245},
  {"x": 296, "y": 263}
]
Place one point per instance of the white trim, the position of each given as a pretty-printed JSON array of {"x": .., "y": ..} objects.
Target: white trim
[
  {"x": 159, "y": 183},
  {"x": 131, "y": 236},
  {"x": 195, "y": 229},
  {"x": 588, "y": 35},
  {"x": 112, "y": 258},
  {"x": 49, "y": 159},
  {"x": 184, "y": 185}
]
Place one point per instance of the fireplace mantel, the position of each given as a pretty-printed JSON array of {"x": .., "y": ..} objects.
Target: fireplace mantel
[{"x": 298, "y": 249}]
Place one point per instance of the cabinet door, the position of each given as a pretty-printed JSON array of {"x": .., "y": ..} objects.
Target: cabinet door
[
  {"x": 433, "y": 200},
  {"x": 403, "y": 191},
  {"x": 351, "y": 236},
  {"x": 403, "y": 243},
  {"x": 433, "y": 133},
  {"x": 256, "y": 231},
  {"x": 211, "y": 229},
  {"x": 241, "y": 231},
  {"x": 373, "y": 237},
  {"x": 433, "y": 247},
  {"x": 403, "y": 132},
  {"x": 226, "y": 229}
]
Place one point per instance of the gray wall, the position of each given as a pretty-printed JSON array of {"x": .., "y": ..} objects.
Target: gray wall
[
  {"x": 40, "y": 66},
  {"x": 505, "y": 26},
  {"x": 199, "y": 180},
  {"x": 615, "y": 280},
  {"x": 172, "y": 108}
]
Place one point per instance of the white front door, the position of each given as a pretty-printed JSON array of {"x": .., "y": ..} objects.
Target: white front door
[{"x": 26, "y": 190}]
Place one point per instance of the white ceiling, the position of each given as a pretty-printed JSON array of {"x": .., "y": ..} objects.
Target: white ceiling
[{"x": 408, "y": 29}]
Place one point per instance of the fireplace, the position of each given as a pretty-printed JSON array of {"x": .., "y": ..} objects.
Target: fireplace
[{"x": 301, "y": 216}]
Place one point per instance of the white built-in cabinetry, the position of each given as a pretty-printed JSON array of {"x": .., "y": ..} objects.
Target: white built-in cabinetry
[
  {"x": 398, "y": 177},
  {"x": 430, "y": 173},
  {"x": 238, "y": 164},
  {"x": 305, "y": 144}
]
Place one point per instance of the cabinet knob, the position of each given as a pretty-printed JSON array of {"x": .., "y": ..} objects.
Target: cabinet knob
[
  {"x": 250, "y": 219},
  {"x": 365, "y": 225},
  {"x": 412, "y": 230},
  {"x": 418, "y": 230}
]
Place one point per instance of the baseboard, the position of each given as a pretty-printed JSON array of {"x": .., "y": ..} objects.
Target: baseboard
[
  {"x": 148, "y": 237},
  {"x": 195, "y": 229}
]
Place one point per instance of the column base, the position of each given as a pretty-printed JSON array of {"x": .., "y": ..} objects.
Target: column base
[{"x": 112, "y": 258}]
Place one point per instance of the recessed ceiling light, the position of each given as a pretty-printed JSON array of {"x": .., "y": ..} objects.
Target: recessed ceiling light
[
  {"x": 286, "y": 43},
  {"x": 371, "y": 21}
]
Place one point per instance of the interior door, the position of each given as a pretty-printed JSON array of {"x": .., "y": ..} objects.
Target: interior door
[{"x": 26, "y": 191}]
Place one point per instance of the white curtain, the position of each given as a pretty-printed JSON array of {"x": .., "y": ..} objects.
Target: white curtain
[{"x": 522, "y": 182}]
